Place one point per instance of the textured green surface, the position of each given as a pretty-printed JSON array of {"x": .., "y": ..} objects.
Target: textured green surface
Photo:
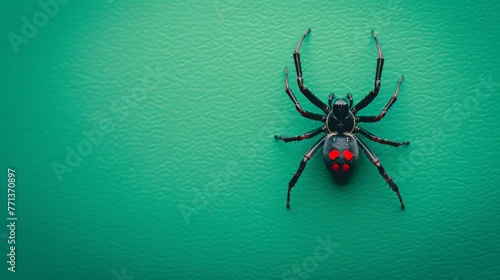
[{"x": 188, "y": 182}]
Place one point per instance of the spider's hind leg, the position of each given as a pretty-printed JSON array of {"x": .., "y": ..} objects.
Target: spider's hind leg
[
  {"x": 373, "y": 158},
  {"x": 309, "y": 154}
]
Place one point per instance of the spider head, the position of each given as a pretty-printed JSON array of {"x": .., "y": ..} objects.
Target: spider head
[{"x": 340, "y": 108}]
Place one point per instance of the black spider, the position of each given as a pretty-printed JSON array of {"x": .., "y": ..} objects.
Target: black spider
[{"x": 340, "y": 142}]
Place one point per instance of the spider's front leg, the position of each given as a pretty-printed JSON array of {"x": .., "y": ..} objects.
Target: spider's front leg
[
  {"x": 378, "y": 75},
  {"x": 300, "y": 80},
  {"x": 309, "y": 154},
  {"x": 373, "y": 158}
]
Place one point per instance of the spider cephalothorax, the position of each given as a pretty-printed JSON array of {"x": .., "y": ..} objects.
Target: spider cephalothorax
[
  {"x": 340, "y": 143},
  {"x": 340, "y": 118}
]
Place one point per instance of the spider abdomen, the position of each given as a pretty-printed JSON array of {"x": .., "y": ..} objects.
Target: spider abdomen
[{"x": 340, "y": 154}]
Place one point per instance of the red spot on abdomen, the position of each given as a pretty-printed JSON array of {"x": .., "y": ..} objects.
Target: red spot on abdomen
[
  {"x": 345, "y": 167},
  {"x": 333, "y": 154},
  {"x": 335, "y": 167},
  {"x": 347, "y": 154}
]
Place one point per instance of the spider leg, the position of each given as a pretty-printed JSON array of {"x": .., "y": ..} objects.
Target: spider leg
[
  {"x": 374, "y": 138},
  {"x": 300, "y": 80},
  {"x": 373, "y": 158},
  {"x": 306, "y": 114},
  {"x": 386, "y": 108},
  {"x": 306, "y": 135},
  {"x": 378, "y": 74},
  {"x": 309, "y": 154}
]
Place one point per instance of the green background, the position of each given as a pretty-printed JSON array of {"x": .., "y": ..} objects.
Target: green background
[{"x": 186, "y": 180}]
